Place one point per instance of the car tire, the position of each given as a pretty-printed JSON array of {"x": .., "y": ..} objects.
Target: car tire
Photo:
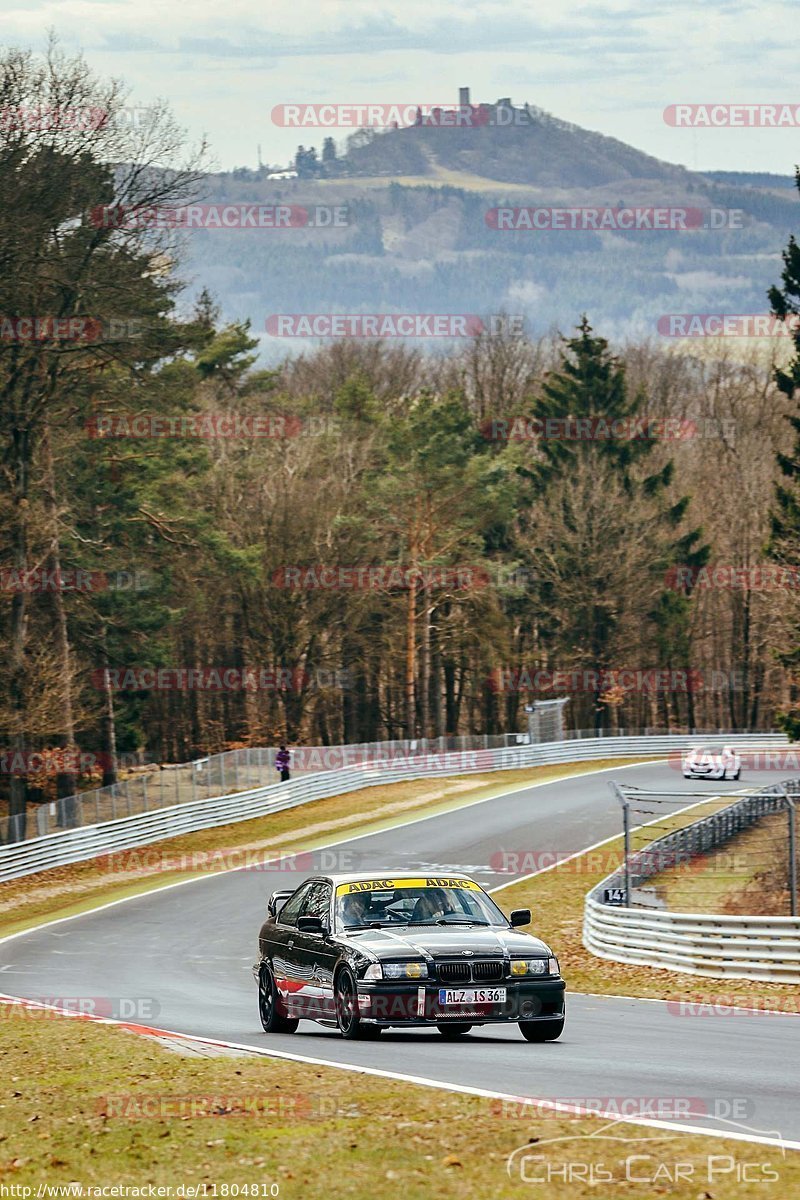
[
  {"x": 269, "y": 1008},
  {"x": 542, "y": 1031},
  {"x": 738, "y": 773},
  {"x": 347, "y": 1017},
  {"x": 453, "y": 1031}
]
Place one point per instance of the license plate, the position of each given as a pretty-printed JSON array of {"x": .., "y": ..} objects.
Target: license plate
[{"x": 472, "y": 995}]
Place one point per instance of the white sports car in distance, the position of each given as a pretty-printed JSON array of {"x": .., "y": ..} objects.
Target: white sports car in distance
[{"x": 712, "y": 762}]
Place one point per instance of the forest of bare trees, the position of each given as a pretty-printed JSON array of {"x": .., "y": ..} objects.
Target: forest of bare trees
[{"x": 372, "y": 541}]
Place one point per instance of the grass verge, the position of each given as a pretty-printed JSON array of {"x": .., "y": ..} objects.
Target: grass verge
[
  {"x": 749, "y": 874},
  {"x": 64, "y": 891},
  {"x": 98, "y": 1106}
]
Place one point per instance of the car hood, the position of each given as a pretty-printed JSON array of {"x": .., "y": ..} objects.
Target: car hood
[{"x": 442, "y": 941}]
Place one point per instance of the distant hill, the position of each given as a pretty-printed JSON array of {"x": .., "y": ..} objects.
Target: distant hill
[
  {"x": 419, "y": 239},
  {"x": 757, "y": 179},
  {"x": 518, "y": 145}
]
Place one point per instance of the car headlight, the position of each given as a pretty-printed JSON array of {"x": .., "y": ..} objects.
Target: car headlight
[
  {"x": 552, "y": 966},
  {"x": 408, "y": 970},
  {"x": 373, "y": 971},
  {"x": 529, "y": 966}
]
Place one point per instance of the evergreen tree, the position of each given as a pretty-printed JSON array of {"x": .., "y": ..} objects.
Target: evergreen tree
[
  {"x": 784, "y": 545},
  {"x": 328, "y": 152},
  {"x": 593, "y": 428}
]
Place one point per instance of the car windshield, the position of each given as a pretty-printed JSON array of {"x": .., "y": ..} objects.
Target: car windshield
[
  {"x": 371, "y": 903},
  {"x": 709, "y": 750}
]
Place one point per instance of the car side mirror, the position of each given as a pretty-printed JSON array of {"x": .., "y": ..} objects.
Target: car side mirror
[
  {"x": 276, "y": 902},
  {"x": 311, "y": 925},
  {"x": 520, "y": 916}
]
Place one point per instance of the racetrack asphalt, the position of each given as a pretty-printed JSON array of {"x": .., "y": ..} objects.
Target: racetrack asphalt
[{"x": 187, "y": 952}]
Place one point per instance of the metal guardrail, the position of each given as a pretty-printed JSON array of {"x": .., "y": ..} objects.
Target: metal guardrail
[
  {"x": 141, "y": 829},
  {"x": 155, "y": 786},
  {"x": 152, "y": 786},
  {"x": 710, "y": 944}
]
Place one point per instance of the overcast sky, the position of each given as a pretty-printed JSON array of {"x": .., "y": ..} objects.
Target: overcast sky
[{"x": 611, "y": 67}]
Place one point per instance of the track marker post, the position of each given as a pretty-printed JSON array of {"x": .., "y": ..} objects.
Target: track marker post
[{"x": 626, "y": 834}]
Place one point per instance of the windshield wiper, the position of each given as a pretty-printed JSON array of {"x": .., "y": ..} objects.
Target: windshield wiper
[
  {"x": 445, "y": 921},
  {"x": 460, "y": 921}
]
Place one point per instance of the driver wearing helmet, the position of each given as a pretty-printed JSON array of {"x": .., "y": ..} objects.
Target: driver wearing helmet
[
  {"x": 355, "y": 908},
  {"x": 433, "y": 904}
]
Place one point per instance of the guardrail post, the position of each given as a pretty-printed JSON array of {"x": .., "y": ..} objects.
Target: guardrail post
[{"x": 792, "y": 851}]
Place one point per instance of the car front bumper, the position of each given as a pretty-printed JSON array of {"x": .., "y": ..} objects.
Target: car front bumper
[{"x": 394, "y": 1003}]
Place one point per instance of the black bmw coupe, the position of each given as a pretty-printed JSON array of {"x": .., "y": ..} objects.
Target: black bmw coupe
[{"x": 364, "y": 953}]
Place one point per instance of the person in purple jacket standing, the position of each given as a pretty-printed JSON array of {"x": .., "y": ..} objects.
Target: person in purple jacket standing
[{"x": 282, "y": 760}]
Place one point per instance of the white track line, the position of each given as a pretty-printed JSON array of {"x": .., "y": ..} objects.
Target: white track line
[
  {"x": 614, "y": 837},
  {"x": 773, "y": 1012},
  {"x": 414, "y": 821},
  {"x": 420, "y": 1080},
  {"x": 575, "y": 1110},
  {"x": 150, "y": 892}
]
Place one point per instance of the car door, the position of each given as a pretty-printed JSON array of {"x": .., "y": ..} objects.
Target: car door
[
  {"x": 285, "y": 951},
  {"x": 317, "y": 954}
]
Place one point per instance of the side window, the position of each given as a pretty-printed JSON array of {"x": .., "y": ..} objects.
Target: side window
[
  {"x": 291, "y": 909},
  {"x": 318, "y": 901}
]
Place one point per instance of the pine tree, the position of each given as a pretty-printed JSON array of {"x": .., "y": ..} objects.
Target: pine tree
[
  {"x": 784, "y": 545},
  {"x": 584, "y": 602},
  {"x": 328, "y": 152}
]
